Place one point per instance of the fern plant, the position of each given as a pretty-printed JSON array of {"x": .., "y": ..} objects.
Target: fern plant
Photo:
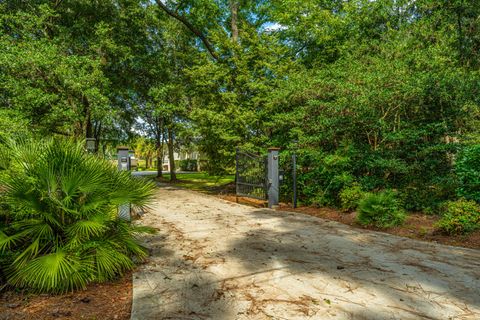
[
  {"x": 61, "y": 230},
  {"x": 382, "y": 210}
]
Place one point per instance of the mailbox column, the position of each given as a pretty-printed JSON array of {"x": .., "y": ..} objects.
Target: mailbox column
[
  {"x": 123, "y": 161},
  {"x": 273, "y": 178},
  {"x": 123, "y": 165},
  {"x": 90, "y": 145}
]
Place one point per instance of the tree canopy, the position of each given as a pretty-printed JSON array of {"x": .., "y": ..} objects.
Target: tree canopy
[{"x": 381, "y": 93}]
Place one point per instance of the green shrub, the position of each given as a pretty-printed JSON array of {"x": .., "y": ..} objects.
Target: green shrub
[
  {"x": 63, "y": 229},
  {"x": 328, "y": 196},
  {"x": 429, "y": 198},
  {"x": 188, "y": 165},
  {"x": 321, "y": 176},
  {"x": 460, "y": 217},
  {"x": 321, "y": 199},
  {"x": 467, "y": 168},
  {"x": 350, "y": 197},
  {"x": 381, "y": 210}
]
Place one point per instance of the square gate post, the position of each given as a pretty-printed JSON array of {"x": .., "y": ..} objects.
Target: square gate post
[
  {"x": 236, "y": 174},
  {"x": 123, "y": 165},
  {"x": 273, "y": 178}
]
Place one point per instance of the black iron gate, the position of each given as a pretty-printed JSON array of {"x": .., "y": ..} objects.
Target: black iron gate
[
  {"x": 288, "y": 178},
  {"x": 251, "y": 175}
]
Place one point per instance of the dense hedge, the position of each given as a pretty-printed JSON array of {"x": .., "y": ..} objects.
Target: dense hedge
[{"x": 468, "y": 171}]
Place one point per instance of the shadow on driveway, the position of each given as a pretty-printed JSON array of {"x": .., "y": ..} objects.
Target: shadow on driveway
[{"x": 219, "y": 260}]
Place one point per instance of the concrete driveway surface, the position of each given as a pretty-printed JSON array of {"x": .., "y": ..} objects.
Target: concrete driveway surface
[{"x": 213, "y": 259}]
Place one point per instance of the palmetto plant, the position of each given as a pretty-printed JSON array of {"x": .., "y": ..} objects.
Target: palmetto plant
[{"x": 61, "y": 230}]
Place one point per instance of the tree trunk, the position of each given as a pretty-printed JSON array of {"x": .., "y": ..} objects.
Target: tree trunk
[
  {"x": 97, "y": 131},
  {"x": 234, "y": 19},
  {"x": 460, "y": 36},
  {"x": 171, "y": 158},
  {"x": 159, "y": 161},
  {"x": 159, "y": 146},
  {"x": 87, "y": 126}
]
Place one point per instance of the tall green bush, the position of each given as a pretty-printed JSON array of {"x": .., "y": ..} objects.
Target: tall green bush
[
  {"x": 467, "y": 168},
  {"x": 62, "y": 229}
]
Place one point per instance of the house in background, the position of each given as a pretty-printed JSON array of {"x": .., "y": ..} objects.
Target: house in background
[
  {"x": 186, "y": 156},
  {"x": 179, "y": 156}
]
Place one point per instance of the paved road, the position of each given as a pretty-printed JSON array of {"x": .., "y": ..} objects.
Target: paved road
[
  {"x": 145, "y": 173},
  {"x": 154, "y": 173},
  {"x": 218, "y": 260}
]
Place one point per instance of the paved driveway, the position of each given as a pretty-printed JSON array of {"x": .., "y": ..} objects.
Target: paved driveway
[{"x": 214, "y": 259}]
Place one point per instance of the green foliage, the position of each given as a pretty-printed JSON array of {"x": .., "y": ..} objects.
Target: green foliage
[
  {"x": 63, "y": 229},
  {"x": 428, "y": 198},
  {"x": 12, "y": 125},
  {"x": 67, "y": 67},
  {"x": 327, "y": 174},
  {"x": 382, "y": 210},
  {"x": 364, "y": 109},
  {"x": 467, "y": 167},
  {"x": 380, "y": 92},
  {"x": 188, "y": 165},
  {"x": 350, "y": 197},
  {"x": 460, "y": 217}
]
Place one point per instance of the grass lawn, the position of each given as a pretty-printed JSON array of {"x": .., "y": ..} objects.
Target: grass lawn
[
  {"x": 201, "y": 181},
  {"x": 141, "y": 166}
]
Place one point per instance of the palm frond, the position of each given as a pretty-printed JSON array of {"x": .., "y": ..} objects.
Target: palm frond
[
  {"x": 55, "y": 272},
  {"x": 87, "y": 229},
  {"x": 8, "y": 242},
  {"x": 27, "y": 253},
  {"x": 63, "y": 204},
  {"x": 110, "y": 263}
]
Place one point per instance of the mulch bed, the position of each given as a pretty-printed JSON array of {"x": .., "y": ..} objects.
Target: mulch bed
[
  {"x": 105, "y": 301},
  {"x": 417, "y": 225}
]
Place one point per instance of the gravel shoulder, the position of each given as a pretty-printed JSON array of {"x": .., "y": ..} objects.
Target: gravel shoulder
[{"x": 213, "y": 259}]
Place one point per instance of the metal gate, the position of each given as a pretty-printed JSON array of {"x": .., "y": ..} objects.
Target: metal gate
[
  {"x": 288, "y": 178},
  {"x": 251, "y": 175}
]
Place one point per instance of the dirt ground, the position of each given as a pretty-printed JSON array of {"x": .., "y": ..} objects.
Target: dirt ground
[
  {"x": 107, "y": 301},
  {"x": 214, "y": 259}
]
